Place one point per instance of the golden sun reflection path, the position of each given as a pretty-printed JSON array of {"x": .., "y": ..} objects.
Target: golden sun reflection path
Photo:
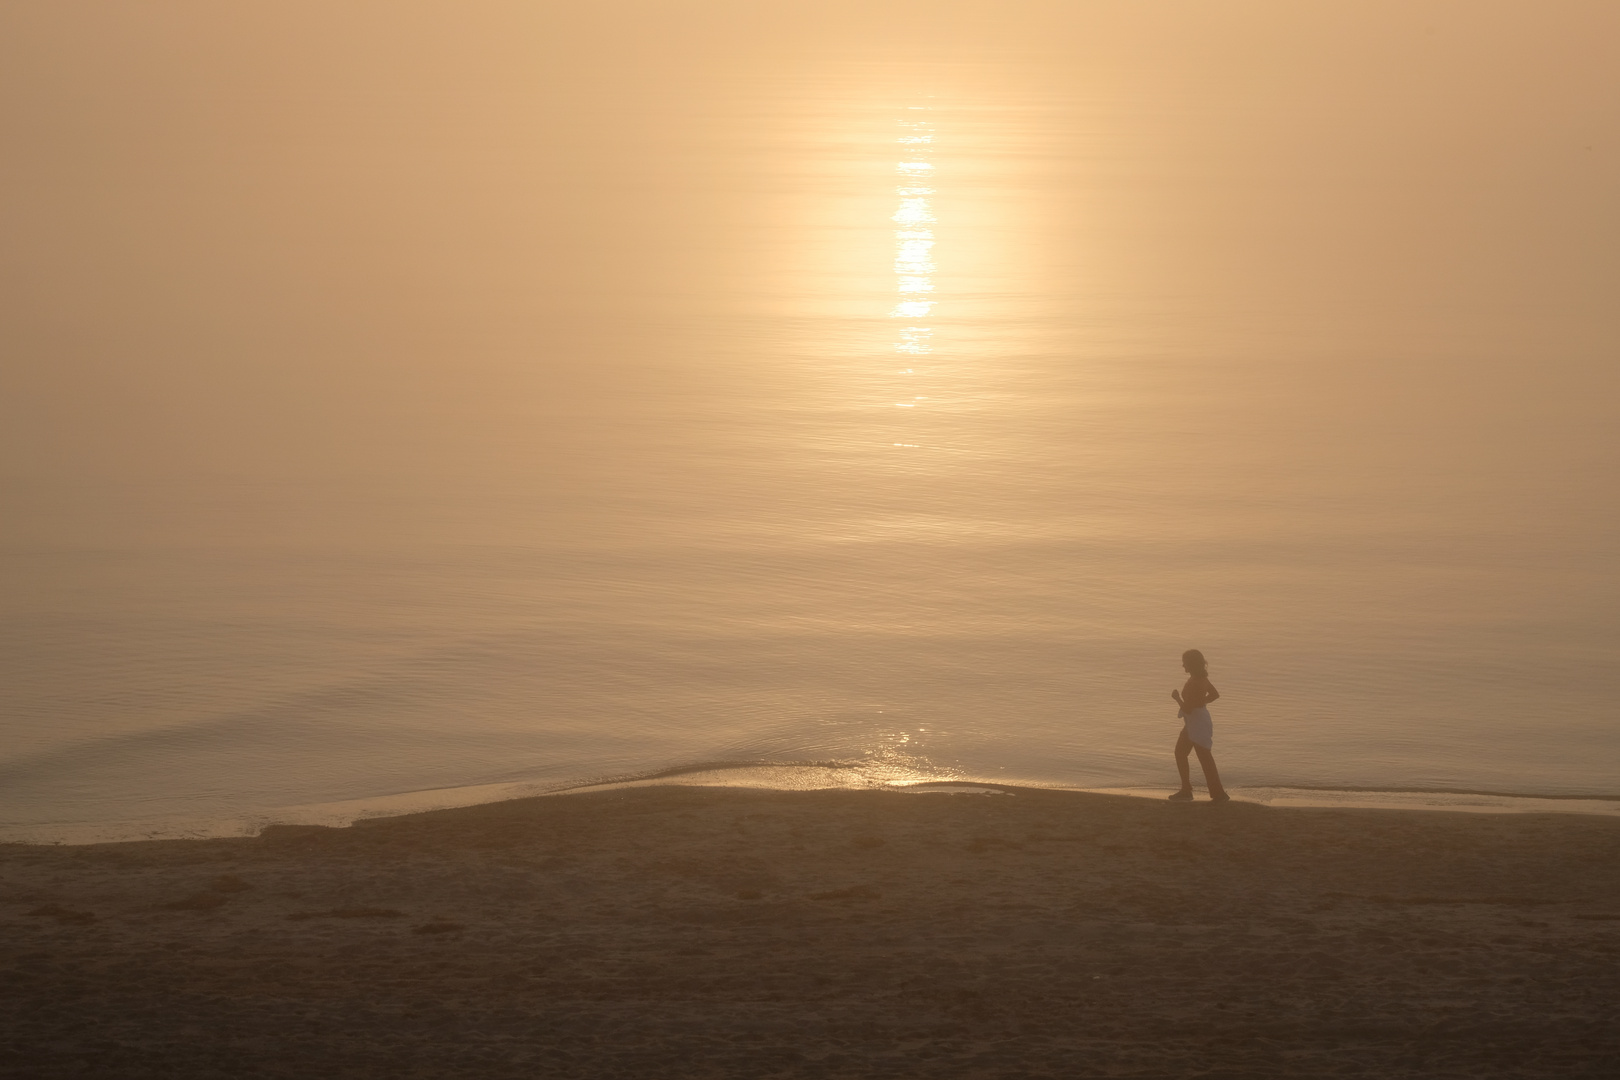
[
  {"x": 902, "y": 294},
  {"x": 914, "y": 246}
]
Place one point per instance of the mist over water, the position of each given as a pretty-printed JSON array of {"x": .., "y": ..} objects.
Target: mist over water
[{"x": 417, "y": 397}]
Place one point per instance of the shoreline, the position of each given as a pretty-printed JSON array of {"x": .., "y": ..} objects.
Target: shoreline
[
  {"x": 815, "y": 776},
  {"x": 676, "y": 930}
]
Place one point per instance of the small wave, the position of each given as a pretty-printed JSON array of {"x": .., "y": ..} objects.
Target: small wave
[
  {"x": 1442, "y": 791},
  {"x": 1478, "y": 802},
  {"x": 854, "y": 773}
]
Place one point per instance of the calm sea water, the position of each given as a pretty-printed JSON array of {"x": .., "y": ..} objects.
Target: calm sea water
[{"x": 503, "y": 405}]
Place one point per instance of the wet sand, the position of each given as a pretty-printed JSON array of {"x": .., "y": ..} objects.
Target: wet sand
[{"x": 702, "y": 932}]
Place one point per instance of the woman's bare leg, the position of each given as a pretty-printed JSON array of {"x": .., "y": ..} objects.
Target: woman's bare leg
[
  {"x": 1212, "y": 776},
  {"x": 1184, "y": 747}
]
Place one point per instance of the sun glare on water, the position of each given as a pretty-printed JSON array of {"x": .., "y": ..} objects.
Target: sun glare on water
[{"x": 914, "y": 246}]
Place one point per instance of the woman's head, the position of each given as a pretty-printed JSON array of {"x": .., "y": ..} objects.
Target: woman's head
[{"x": 1194, "y": 663}]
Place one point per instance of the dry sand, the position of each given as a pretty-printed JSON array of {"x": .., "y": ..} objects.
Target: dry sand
[{"x": 701, "y": 932}]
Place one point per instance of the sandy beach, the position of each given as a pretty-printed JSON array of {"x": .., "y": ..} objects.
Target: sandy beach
[{"x": 702, "y": 932}]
